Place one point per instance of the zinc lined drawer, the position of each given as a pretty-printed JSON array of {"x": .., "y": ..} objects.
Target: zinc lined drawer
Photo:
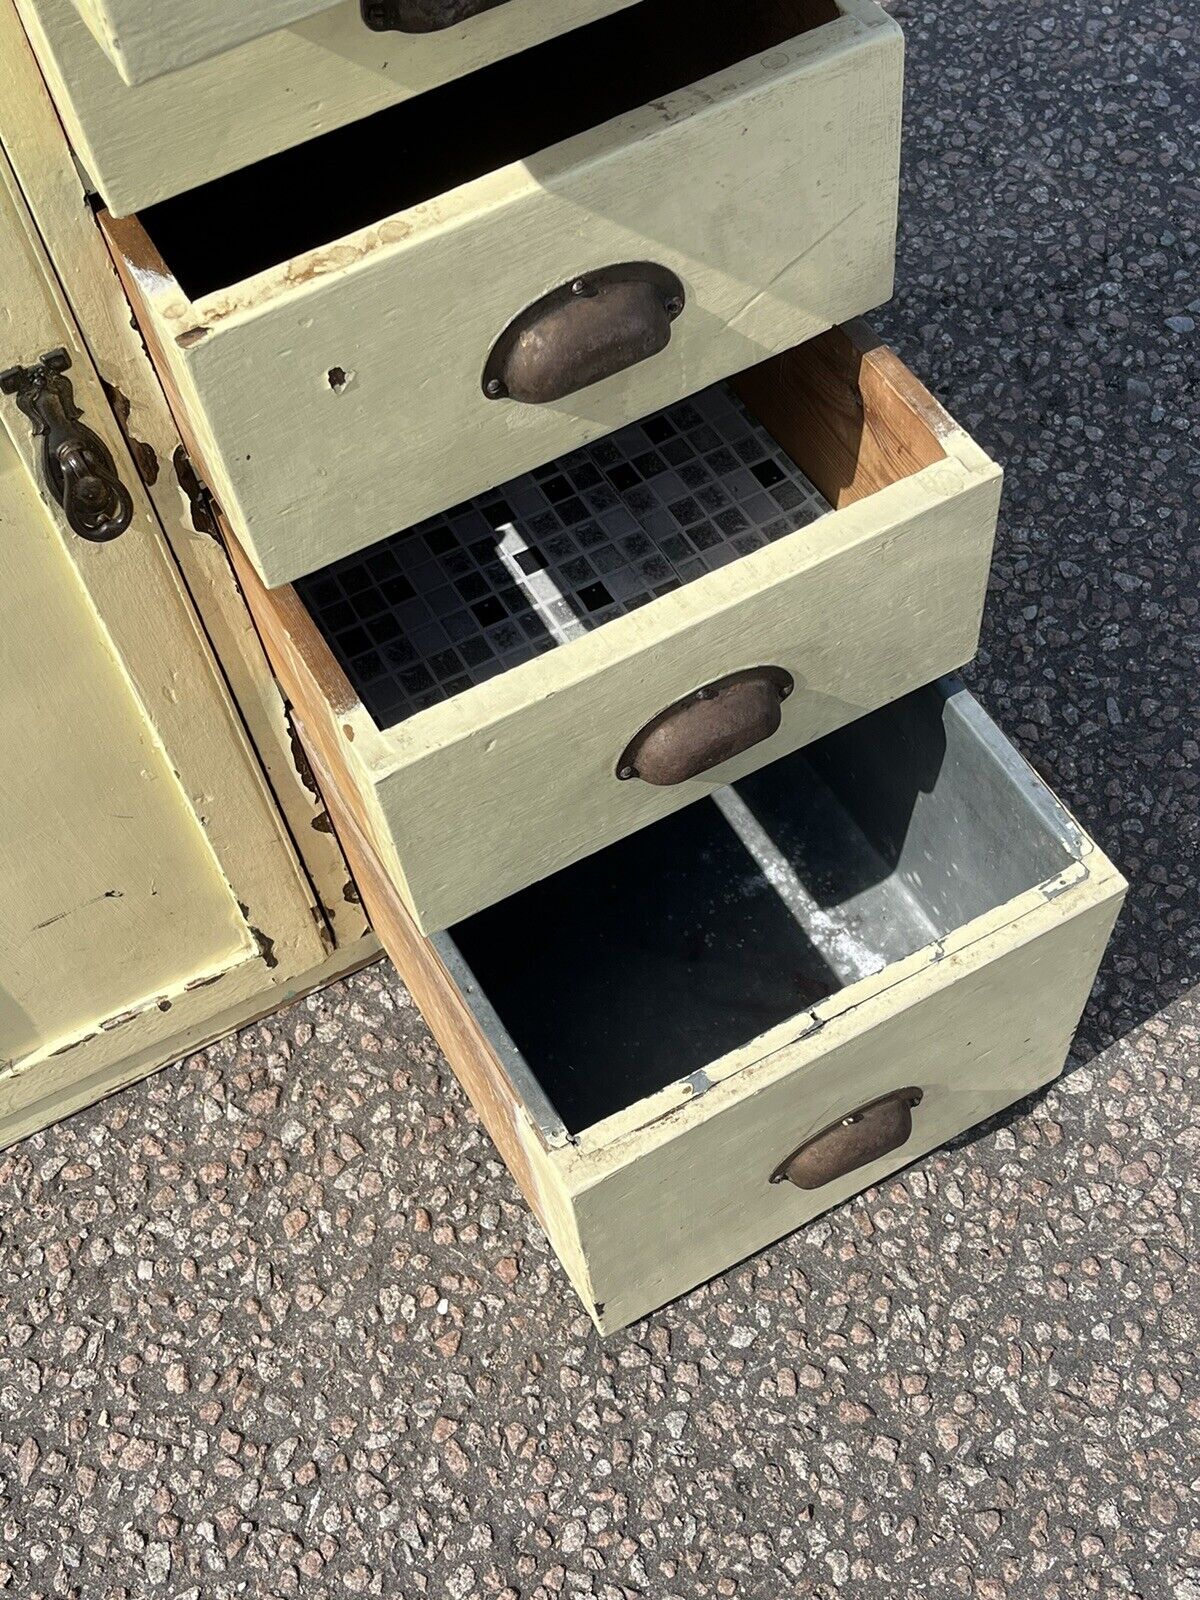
[
  {"x": 483, "y": 788},
  {"x": 404, "y": 314},
  {"x": 285, "y": 72},
  {"x": 696, "y": 1041}
]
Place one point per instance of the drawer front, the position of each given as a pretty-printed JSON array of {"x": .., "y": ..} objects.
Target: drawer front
[
  {"x": 971, "y": 1035},
  {"x": 286, "y": 73},
  {"x": 724, "y": 224},
  {"x": 567, "y": 752}
]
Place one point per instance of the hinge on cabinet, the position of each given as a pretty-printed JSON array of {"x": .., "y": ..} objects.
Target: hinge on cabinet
[
  {"x": 199, "y": 496},
  {"x": 77, "y": 465}
]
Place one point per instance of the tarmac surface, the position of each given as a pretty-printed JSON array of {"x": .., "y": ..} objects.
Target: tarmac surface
[{"x": 276, "y": 1322}]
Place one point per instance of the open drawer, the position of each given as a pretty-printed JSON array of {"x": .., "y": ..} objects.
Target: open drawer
[
  {"x": 701, "y": 1038},
  {"x": 478, "y": 764},
  {"x": 245, "y": 81},
  {"x": 367, "y": 330},
  {"x": 143, "y": 39}
]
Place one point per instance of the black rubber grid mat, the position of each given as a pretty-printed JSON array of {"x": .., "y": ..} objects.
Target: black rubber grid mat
[{"x": 511, "y": 574}]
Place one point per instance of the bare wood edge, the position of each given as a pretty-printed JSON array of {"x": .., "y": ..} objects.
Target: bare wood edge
[
  {"x": 848, "y": 411},
  {"x": 534, "y": 1165},
  {"x": 140, "y": 264},
  {"x": 338, "y": 723}
]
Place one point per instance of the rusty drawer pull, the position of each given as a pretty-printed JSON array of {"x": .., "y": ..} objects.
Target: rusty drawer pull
[
  {"x": 708, "y": 726},
  {"x": 866, "y": 1135},
  {"x": 422, "y": 16},
  {"x": 589, "y": 329}
]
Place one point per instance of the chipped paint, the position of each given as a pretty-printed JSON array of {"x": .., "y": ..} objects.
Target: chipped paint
[
  {"x": 300, "y": 760},
  {"x": 145, "y": 458},
  {"x": 197, "y": 494},
  {"x": 203, "y": 983},
  {"x": 266, "y": 945}
]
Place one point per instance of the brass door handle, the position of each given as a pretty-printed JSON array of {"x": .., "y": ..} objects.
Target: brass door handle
[
  {"x": 421, "y": 16},
  {"x": 854, "y": 1141},
  {"x": 708, "y": 726},
  {"x": 589, "y": 329},
  {"x": 77, "y": 465}
]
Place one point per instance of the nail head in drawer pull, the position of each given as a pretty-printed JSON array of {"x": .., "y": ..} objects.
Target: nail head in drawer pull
[
  {"x": 422, "y": 16},
  {"x": 866, "y": 1135},
  {"x": 709, "y": 726},
  {"x": 584, "y": 331}
]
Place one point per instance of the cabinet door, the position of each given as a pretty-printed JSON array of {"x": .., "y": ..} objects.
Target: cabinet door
[
  {"x": 113, "y": 894},
  {"x": 152, "y": 896}
]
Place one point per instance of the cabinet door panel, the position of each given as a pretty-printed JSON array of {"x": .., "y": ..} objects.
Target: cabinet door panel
[
  {"x": 152, "y": 895},
  {"x": 112, "y": 893}
]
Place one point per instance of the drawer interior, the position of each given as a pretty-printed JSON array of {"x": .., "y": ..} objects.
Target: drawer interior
[
  {"x": 557, "y": 553},
  {"x": 229, "y": 230},
  {"x": 489, "y": 585},
  {"x": 646, "y": 963}
]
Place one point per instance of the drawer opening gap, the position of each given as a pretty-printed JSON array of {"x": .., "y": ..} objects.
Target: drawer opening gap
[
  {"x": 650, "y": 961},
  {"x": 226, "y": 231}
]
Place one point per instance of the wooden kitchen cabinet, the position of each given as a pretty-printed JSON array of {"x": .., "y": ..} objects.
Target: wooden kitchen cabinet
[{"x": 520, "y": 519}]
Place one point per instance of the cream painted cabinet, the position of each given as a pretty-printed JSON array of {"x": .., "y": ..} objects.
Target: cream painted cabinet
[{"x": 607, "y": 585}]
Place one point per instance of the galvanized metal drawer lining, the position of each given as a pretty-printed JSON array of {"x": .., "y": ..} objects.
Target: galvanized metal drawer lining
[{"x": 645, "y": 964}]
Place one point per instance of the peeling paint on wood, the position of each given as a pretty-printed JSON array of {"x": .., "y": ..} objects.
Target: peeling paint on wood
[
  {"x": 266, "y": 945},
  {"x": 144, "y": 456},
  {"x": 196, "y": 493}
]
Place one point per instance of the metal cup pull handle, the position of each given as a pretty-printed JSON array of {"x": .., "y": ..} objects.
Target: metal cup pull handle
[
  {"x": 589, "y": 329},
  {"x": 707, "y": 727},
  {"x": 866, "y": 1135},
  {"x": 421, "y": 16}
]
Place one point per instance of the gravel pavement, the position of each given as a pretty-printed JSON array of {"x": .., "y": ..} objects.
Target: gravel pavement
[{"x": 276, "y": 1322}]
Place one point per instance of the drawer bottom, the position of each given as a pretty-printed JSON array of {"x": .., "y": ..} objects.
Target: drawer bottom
[
  {"x": 900, "y": 915},
  {"x": 554, "y": 555}
]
